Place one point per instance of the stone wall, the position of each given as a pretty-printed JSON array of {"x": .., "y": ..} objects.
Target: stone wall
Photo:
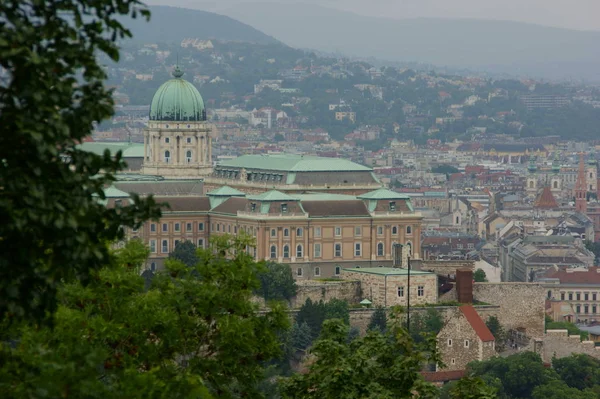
[
  {"x": 443, "y": 267},
  {"x": 349, "y": 291},
  {"x": 522, "y": 305},
  {"x": 451, "y": 342},
  {"x": 558, "y": 343}
]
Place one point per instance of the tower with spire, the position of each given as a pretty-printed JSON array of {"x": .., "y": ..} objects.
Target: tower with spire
[
  {"x": 532, "y": 179},
  {"x": 581, "y": 187},
  {"x": 555, "y": 180}
]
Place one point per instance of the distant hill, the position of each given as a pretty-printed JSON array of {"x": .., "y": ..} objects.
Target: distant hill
[
  {"x": 172, "y": 24},
  {"x": 496, "y": 46}
]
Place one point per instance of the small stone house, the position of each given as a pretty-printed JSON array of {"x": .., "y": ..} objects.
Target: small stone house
[
  {"x": 387, "y": 286},
  {"x": 465, "y": 338}
]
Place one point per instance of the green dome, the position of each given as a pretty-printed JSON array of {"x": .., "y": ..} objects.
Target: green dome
[{"x": 177, "y": 100}]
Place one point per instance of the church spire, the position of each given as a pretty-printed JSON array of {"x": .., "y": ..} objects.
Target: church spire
[{"x": 581, "y": 187}]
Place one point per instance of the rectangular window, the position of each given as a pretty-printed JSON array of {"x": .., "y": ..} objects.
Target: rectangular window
[
  {"x": 284, "y": 208},
  {"x": 218, "y": 226},
  {"x": 594, "y": 309},
  {"x": 562, "y": 296},
  {"x": 400, "y": 291},
  {"x": 357, "y": 231},
  {"x": 273, "y": 233},
  {"x": 459, "y": 246},
  {"x": 578, "y": 309},
  {"x": 420, "y": 290},
  {"x": 286, "y": 232},
  {"x": 466, "y": 343},
  {"x": 379, "y": 230},
  {"x": 586, "y": 297},
  {"x": 299, "y": 232},
  {"x": 188, "y": 227},
  {"x": 449, "y": 342},
  {"x": 176, "y": 243},
  {"x": 317, "y": 232},
  {"x": 201, "y": 243},
  {"x": 153, "y": 246},
  {"x": 165, "y": 247},
  {"x": 586, "y": 309},
  {"x": 212, "y": 227},
  {"x": 338, "y": 231},
  {"x": 338, "y": 250},
  {"x": 177, "y": 227},
  {"x": 392, "y": 206},
  {"x": 200, "y": 226},
  {"x": 594, "y": 296},
  {"x": 570, "y": 296},
  {"x": 317, "y": 251},
  {"x": 317, "y": 271},
  {"x": 165, "y": 227},
  {"x": 357, "y": 249},
  {"x": 153, "y": 227},
  {"x": 578, "y": 296},
  {"x": 470, "y": 245}
]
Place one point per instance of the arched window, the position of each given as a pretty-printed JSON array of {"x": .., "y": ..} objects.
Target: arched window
[
  {"x": 299, "y": 251},
  {"x": 408, "y": 229},
  {"x": 286, "y": 251},
  {"x": 338, "y": 270},
  {"x": 531, "y": 184},
  {"x": 299, "y": 272},
  {"x": 286, "y": 232},
  {"x": 299, "y": 232},
  {"x": 457, "y": 220},
  {"x": 152, "y": 266},
  {"x": 555, "y": 184},
  {"x": 394, "y": 229},
  {"x": 167, "y": 140},
  {"x": 188, "y": 156},
  {"x": 167, "y": 156},
  {"x": 380, "y": 249},
  {"x": 273, "y": 252},
  {"x": 549, "y": 294},
  {"x": 317, "y": 271}
]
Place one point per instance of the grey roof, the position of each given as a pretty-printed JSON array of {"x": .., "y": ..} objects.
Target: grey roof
[{"x": 293, "y": 163}]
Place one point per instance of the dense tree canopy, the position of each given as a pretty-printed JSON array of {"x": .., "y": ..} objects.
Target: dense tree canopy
[
  {"x": 53, "y": 223},
  {"x": 185, "y": 252},
  {"x": 277, "y": 282}
]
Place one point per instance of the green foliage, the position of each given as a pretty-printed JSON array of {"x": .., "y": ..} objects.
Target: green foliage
[
  {"x": 560, "y": 390},
  {"x": 479, "y": 276},
  {"x": 378, "y": 320},
  {"x": 53, "y": 224},
  {"x": 497, "y": 331},
  {"x": 315, "y": 313},
  {"x": 185, "y": 252},
  {"x": 277, "y": 282},
  {"x": 445, "y": 169},
  {"x": 472, "y": 388},
  {"x": 375, "y": 366},
  {"x": 578, "y": 370},
  {"x": 425, "y": 324},
  {"x": 184, "y": 337},
  {"x": 565, "y": 325}
]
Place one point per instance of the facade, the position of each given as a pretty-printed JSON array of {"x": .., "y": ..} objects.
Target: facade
[
  {"x": 574, "y": 289},
  {"x": 465, "y": 338},
  {"x": 317, "y": 234},
  {"x": 177, "y": 140},
  {"x": 386, "y": 286}
]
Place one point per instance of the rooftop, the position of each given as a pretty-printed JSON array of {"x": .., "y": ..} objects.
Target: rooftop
[
  {"x": 388, "y": 271},
  {"x": 483, "y": 332},
  {"x": 383, "y": 194},
  {"x": 129, "y": 150},
  {"x": 294, "y": 163}
]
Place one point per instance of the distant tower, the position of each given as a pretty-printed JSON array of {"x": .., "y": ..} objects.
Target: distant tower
[
  {"x": 580, "y": 187},
  {"x": 555, "y": 180},
  {"x": 591, "y": 175},
  {"x": 532, "y": 180}
]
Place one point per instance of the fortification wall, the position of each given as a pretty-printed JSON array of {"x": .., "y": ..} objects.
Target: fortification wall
[
  {"x": 443, "y": 267},
  {"x": 349, "y": 291},
  {"x": 522, "y": 305},
  {"x": 558, "y": 343}
]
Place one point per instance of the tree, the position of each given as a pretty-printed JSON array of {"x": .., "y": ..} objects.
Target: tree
[
  {"x": 51, "y": 192},
  {"x": 378, "y": 320},
  {"x": 373, "y": 366},
  {"x": 277, "y": 282},
  {"x": 479, "y": 276},
  {"x": 112, "y": 338},
  {"x": 315, "y": 313},
  {"x": 472, "y": 388},
  {"x": 425, "y": 324},
  {"x": 445, "y": 169},
  {"x": 497, "y": 331},
  {"x": 565, "y": 325},
  {"x": 560, "y": 390},
  {"x": 185, "y": 252},
  {"x": 578, "y": 370}
]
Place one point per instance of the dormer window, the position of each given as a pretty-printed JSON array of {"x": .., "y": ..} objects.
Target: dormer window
[
  {"x": 392, "y": 206},
  {"x": 253, "y": 207},
  {"x": 284, "y": 208}
]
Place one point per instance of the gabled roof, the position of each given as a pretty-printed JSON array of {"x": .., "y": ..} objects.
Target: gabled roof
[
  {"x": 113, "y": 192},
  {"x": 383, "y": 194},
  {"x": 546, "y": 200},
  {"x": 231, "y": 206},
  {"x": 272, "y": 195},
  {"x": 294, "y": 163},
  {"x": 483, "y": 332},
  {"x": 226, "y": 191}
]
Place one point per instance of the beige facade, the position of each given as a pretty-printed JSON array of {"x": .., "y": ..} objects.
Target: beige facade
[
  {"x": 385, "y": 286},
  {"x": 178, "y": 149}
]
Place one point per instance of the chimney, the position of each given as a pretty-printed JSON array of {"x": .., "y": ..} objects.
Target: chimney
[{"x": 464, "y": 285}]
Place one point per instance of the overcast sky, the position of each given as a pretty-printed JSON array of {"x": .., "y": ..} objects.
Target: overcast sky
[{"x": 574, "y": 14}]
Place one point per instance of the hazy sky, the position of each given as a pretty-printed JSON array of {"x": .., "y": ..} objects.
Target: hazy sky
[{"x": 574, "y": 14}]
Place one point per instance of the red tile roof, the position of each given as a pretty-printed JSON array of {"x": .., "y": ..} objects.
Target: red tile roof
[
  {"x": 590, "y": 276},
  {"x": 546, "y": 200},
  {"x": 477, "y": 323},
  {"x": 443, "y": 376}
]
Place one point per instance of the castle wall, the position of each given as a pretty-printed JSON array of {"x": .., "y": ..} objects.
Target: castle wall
[{"x": 558, "y": 343}]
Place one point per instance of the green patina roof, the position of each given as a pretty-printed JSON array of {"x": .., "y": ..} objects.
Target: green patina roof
[
  {"x": 129, "y": 150},
  {"x": 226, "y": 191},
  {"x": 365, "y": 302},
  {"x": 177, "y": 100},
  {"x": 383, "y": 194},
  {"x": 272, "y": 195},
  {"x": 388, "y": 271},
  {"x": 325, "y": 197},
  {"x": 113, "y": 192},
  {"x": 294, "y": 163}
]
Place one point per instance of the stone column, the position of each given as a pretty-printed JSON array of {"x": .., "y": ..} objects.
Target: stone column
[
  {"x": 198, "y": 154},
  {"x": 145, "y": 147},
  {"x": 156, "y": 146}
]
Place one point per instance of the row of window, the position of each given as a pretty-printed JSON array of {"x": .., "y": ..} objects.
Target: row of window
[
  {"x": 420, "y": 291},
  {"x": 337, "y": 250},
  {"x": 188, "y": 140},
  {"x": 467, "y": 343},
  {"x": 586, "y": 309},
  {"x": 189, "y": 227},
  {"x": 338, "y": 271},
  {"x": 586, "y": 296},
  {"x": 337, "y": 230},
  {"x": 165, "y": 248},
  {"x": 167, "y": 156}
]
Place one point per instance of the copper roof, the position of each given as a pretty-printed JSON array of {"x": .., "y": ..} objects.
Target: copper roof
[
  {"x": 483, "y": 332},
  {"x": 546, "y": 200}
]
